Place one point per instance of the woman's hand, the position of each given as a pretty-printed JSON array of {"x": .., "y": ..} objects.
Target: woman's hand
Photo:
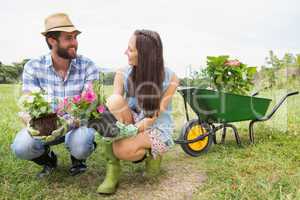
[{"x": 146, "y": 122}]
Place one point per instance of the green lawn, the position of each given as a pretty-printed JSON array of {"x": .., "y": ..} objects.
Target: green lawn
[{"x": 270, "y": 169}]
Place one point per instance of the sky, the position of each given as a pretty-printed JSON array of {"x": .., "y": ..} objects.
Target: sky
[{"x": 190, "y": 30}]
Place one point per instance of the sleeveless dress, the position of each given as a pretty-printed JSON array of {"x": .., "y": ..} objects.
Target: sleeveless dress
[{"x": 161, "y": 131}]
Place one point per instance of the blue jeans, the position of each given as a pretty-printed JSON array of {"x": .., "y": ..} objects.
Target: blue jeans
[{"x": 79, "y": 143}]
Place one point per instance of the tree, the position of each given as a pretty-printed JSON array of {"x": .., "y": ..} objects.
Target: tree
[
  {"x": 11, "y": 73},
  {"x": 274, "y": 61}
]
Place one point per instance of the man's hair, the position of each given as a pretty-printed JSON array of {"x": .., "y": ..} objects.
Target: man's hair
[{"x": 53, "y": 34}]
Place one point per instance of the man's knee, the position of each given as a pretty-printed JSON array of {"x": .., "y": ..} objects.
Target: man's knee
[
  {"x": 21, "y": 151},
  {"x": 25, "y": 147},
  {"x": 82, "y": 152},
  {"x": 81, "y": 142}
]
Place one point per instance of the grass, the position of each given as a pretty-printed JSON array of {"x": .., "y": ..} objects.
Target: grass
[{"x": 270, "y": 169}]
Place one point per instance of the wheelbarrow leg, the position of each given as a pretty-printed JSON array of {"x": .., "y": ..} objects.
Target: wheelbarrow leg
[
  {"x": 223, "y": 135},
  {"x": 236, "y": 134},
  {"x": 214, "y": 135},
  {"x": 224, "y": 127},
  {"x": 251, "y": 131},
  {"x": 237, "y": 137}
]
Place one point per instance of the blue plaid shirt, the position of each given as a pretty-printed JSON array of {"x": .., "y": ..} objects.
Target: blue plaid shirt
[{"x": 40, "y": 74}]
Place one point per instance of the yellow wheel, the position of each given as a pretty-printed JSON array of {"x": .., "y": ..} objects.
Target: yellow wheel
[
  {"x": 192, "y": 130},
  {"x": 195, "y": 132}
]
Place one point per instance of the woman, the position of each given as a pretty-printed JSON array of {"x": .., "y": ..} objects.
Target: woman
[{"x": 148, "y": 88}]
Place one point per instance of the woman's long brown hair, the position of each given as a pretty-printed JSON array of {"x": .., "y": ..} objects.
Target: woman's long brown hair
[{"x": 146, "y": 79}]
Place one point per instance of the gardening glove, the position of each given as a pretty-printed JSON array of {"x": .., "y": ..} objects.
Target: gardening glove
[
  {"x": 124, "y": 131},
  {"x": 110, "y": 128},
  {"x": 59, "y": 132}
]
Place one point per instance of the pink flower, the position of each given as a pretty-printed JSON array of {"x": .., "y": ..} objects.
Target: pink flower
[
  {"x": 101, "y": 109},
  {"x": 76, "y": 99},
  {"x": 90, "y": 86},
  {"x": 232, "y": 63},
  {"x": 62, "y": 105},
  {"x": 89, "y": 96},
  {"x": 66, "y": 101},
  {"x": 59, "y": 110}
]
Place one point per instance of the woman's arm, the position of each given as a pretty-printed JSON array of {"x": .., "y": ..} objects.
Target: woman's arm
[
  {"x": 147, "y": 122},
  {"x": 119, "y": 82},
  {"x": 174, "y": 83}
]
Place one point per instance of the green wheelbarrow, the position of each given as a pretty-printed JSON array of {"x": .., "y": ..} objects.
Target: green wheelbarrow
[{"x": 213, "y": 107}]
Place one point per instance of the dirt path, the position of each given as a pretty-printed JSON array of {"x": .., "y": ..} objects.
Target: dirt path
[{"x": 179, "y": 179}]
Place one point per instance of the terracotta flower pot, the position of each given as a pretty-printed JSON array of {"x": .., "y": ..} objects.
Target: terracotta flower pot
[{"x": 45, "y": 125}]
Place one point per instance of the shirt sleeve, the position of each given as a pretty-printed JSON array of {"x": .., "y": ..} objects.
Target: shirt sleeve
[
  {"x": 168, "y": 76},
  {"x": 30, "y": 81}
]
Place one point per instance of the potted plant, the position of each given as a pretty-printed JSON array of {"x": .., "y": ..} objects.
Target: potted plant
[
  {"x": 86, "y": 106},
  {"x": 38, "y": 105}
]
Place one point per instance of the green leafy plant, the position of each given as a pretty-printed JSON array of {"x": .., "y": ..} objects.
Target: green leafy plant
[
  {"x": 37, "y": 104},
  {"x": 229, "y": 75},
  {"x": 43, "y": 121}
]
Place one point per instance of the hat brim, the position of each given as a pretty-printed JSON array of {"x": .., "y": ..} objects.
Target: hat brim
[{"x": 64, "y": 29}]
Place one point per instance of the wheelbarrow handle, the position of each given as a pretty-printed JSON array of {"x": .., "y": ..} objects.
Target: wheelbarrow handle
[
  {"x": 255, "y": 94},
  {"x": 251, "y": 130},
  {"x": 278, "y": 105},
  {"x": 292, "y": 93}
]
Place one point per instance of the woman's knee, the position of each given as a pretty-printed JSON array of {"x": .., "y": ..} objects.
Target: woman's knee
[{"x": 117, "y": 104}]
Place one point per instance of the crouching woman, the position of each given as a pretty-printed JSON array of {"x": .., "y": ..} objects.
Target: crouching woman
[{"x": 142, "y": 96}]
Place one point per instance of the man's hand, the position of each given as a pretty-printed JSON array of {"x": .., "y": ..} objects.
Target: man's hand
[
  {"x": 59, "y": 132},
  {"x": 25, "y": 117}
]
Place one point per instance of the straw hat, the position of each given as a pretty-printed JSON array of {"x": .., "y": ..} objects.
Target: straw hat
[{"x": 59, "y": 22}]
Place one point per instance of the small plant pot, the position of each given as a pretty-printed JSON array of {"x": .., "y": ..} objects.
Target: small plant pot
[{"x": 45, "y": 125}]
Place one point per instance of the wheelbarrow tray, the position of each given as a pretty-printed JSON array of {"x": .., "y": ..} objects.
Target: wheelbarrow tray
[{"x": 220, "y": 107}]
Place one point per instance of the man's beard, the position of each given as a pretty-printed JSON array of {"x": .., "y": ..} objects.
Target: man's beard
[{"x": 63, "y": 53}]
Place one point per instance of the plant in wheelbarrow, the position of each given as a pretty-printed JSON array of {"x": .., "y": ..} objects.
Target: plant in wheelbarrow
[
  {"x": 229, "y": 75},
  {"x": 225, "y": 76},
  {"x": 43, "y": 121}
]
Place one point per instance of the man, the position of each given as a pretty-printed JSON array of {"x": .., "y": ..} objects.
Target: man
[{"x": 61, "y": 73}]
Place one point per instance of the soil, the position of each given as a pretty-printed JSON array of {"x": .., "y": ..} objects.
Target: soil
[{"x": 45, "y": 125}]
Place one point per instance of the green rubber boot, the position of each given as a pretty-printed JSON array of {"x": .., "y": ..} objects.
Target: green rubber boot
[
  {"x": 152, "y": 166},
  {"x": 113, "y": 170}
]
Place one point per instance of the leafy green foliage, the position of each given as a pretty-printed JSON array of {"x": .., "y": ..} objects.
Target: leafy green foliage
[
  {"x": 11, "y": 73},
  {"x": 36, "y": 104},
  {"x": 98, "y": 88},
  {"x": 196, "y": 79},
  {"x": 229, "y": 75}
]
